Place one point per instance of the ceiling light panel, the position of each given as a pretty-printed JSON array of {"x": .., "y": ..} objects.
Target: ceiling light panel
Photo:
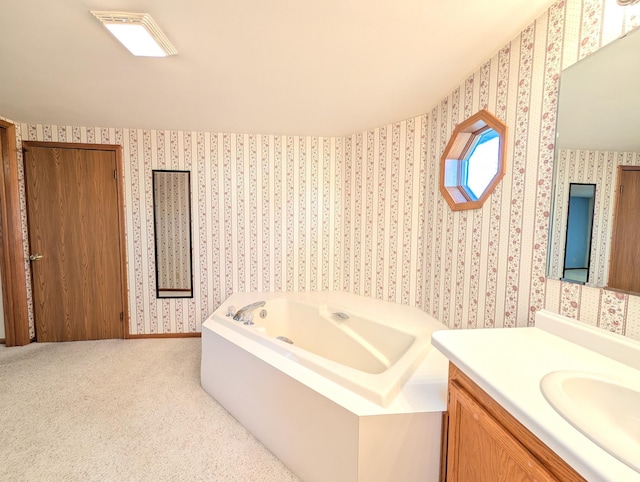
[{"x": 137, "y": 32}]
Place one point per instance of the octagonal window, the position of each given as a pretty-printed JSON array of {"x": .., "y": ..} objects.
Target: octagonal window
[{"x": 473, "y": 162}]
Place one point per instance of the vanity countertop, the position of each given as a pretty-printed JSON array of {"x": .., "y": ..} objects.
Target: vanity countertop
[{"x": 508, "y": 364}]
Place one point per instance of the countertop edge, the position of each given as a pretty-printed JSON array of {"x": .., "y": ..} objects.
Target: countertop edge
[{"x": 546, "y": 432}]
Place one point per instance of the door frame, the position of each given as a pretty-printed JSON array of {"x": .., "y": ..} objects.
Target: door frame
[
  {"x": 117, "y": 150},
  {"x": 12, "y": 260}
]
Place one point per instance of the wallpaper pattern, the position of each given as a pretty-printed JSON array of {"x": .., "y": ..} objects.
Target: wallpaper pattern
[
  {"x": 364, "y": 214},
  {"x": 265, "y": 213},
  {"x": 487, "y": 268}
]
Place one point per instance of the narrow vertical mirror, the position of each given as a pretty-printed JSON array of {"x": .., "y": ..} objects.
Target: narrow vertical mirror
[
  {"x": 172, "y": 216},
  {"x": 577, "y": 253}
]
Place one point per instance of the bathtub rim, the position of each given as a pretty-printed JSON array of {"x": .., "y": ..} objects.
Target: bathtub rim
[
  {"x": 424, "y": 391},
  {"x": 381, "y": 388}
]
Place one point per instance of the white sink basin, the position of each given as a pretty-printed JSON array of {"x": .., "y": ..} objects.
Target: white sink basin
[{"x": 604, "y": 408}]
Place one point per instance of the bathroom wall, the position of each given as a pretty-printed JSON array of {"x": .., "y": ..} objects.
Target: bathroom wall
[
  {"x": 271, "y": 213},
  {"x": 486, "y": 268},
  {"x": 384, "y": 212},
  {"x": 266, "y": 214},
  {"x": 364, "y": 214}
]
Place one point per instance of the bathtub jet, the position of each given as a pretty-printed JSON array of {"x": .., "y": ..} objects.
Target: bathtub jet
[
  {"x": 340, "y": 315},
  {"x": 285, "y": 339}
]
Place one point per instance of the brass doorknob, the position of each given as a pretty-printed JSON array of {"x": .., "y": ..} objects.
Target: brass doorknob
[{"x": 35, "y": 257}]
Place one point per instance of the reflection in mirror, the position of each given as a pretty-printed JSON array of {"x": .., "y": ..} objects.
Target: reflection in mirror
[
  {"x": 598, "y": 119},
  {"x": 172, "y": 216},
  {"x": 577, "y": 252},
  {"x": 625, "y": 248}
]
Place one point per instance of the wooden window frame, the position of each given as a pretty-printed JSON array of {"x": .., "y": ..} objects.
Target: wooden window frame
[{"x": 460, "y": 144}]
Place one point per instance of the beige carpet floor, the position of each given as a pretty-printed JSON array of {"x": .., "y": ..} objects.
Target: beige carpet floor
[{"x": 120, "y": 410}]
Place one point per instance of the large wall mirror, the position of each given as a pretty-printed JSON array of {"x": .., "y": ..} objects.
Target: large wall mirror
[
  {"x": 172, "y": 216},
  {"x": 598, "y": 130}
]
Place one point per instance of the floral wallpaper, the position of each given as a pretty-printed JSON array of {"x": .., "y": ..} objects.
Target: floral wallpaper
[
  {"x": 363, "y": 213},
  {"x": 486, "y": 268},
  {"x": 264, "y": 215}
]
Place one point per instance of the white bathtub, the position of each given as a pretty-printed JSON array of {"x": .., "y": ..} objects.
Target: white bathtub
[
  {"x": 368, "y": 346},
  {"x": 358, "y": 396}
]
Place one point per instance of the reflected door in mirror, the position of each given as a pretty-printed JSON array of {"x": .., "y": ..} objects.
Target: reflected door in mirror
[
  {"x": 625, "y": 242},
  {"x": 172, "y": 215}
]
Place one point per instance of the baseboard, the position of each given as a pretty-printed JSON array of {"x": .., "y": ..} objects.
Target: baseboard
[{"x": 165, "y": 335}]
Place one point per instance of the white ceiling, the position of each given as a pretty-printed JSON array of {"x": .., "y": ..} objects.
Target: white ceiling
[{"x": 299, "y": 67}]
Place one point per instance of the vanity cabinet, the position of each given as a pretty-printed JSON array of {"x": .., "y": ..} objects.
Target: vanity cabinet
[{"x": 483, "y": 442}]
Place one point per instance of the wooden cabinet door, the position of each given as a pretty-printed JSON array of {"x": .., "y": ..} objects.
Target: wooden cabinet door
[{"x": 480, "y": 449}]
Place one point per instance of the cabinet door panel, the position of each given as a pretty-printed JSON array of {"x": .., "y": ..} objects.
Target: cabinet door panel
[{"x": 481, "y": 449}]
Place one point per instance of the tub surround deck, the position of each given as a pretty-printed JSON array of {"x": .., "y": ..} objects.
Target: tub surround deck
[
  {"x": 320, "y": 429},
  {"x": 347, "y": 350},
  {"x": 425, "y": 391},
  {"x": 509, "y": 363}
]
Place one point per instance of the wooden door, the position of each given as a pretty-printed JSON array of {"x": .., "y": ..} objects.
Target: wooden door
[
  {"x": 73, "y": 221},
  {"x": 625, "y": 245}
]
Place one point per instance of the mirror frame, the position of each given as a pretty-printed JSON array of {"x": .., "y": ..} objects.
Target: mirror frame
[{"x": 155, "y": 233}]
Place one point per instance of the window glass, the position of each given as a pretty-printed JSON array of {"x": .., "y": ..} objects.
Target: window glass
[{"x": 482, "y": 163}]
